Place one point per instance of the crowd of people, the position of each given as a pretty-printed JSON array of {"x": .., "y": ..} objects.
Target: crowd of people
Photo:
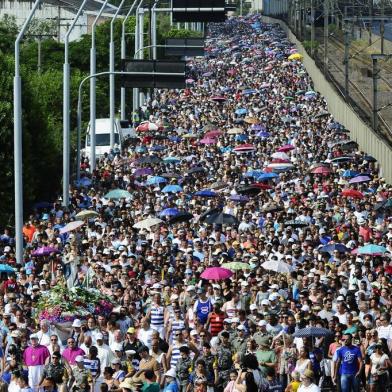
[{"x": 242, "y": 173}]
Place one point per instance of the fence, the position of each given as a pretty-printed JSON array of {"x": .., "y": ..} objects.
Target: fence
[{"x": 367, "y": 140}]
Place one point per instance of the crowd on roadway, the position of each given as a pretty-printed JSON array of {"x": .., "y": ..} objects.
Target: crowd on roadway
[{"x": 260, "y": 260}]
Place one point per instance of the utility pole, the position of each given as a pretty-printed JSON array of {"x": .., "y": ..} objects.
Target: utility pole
[
  {"x": 370, "y": 20},
  {"x": 346, "y": 61},
  {"x": 382, "y": 26},
  {"x": 39, "y": 65},
  {"x": 375, "y": 92},
  {"x": 312, "y": 32},
  {"x": 326, "y": 34}
]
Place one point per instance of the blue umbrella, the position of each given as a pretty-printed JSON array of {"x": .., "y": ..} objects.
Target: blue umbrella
[
  {"x": 241, "y": 111},
  {"x": 241, "y": 138},
  {"x": 171, "y": 160},
  {"x": 118, "y": 194},
  {"x": 140, "y": 149},
  {"x": 169, "y": 212},
  {"x": 371, "y": 249},
  {"x": 349, "y": 173},
  {"x": 332, "y": 247},
  {"x": 157, "y": 148},
  {"x": 6, "y": 268},
  {"x": 267, "y": 176},
  {"x": 249, "y": 91},
  {"x": 254, "y": 173},
  {"x": 263, "y": 134},
  {"x": 155, "y": 180},
  {"x": 205, "y": 193},
  {"x": 172, "y": 189},
  {"x": 175, "y": 139},
  {"x": 315, "y": 332}
]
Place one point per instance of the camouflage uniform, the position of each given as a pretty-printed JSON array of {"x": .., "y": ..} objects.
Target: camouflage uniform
[
  {"x": 224, "y": 355},
  {"x": 183, "y": 369}
]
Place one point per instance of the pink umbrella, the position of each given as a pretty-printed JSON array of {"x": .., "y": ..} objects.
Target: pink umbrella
[
  {"x": 208, "y": 140},
  {"x": 216, "y": 273},
  {"x": 218, "y": 98},
  {"x": 245, "y": 147},
  {"x": 213, "y": 134},
  {"x": 286, "y": 147},
  {"x": 321, "y": 170}
]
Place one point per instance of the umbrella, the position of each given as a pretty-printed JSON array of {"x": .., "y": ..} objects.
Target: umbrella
[
  {"x": 235, "y": 131},
  {"x": 144, "y": 171},
  {"x": 352, "y": 193},
  {"x": 239, "y": 198},
  {"x": 147, "y": 223},
  {"x": 371, "y": 250},
  {"x": 140, "y": 149},
  {"x": 236, "y": 266},
  {"x": 359, "y": 179},
  {"x": 205, "y": 193},
  {"x": 147, "y": 126},
  {"x": 218, "y": 98},
  {"x": 349, "y": 173},
  {"x": 315, "y": 332},
  {"x": 249, "y": 190},
  {"x": 208, "y": 140},
  {"x": 216, "y": 273},
  {"x": 369, "y": 158},
  {"x": 281, "y": 166},
  {"x": 149, "y": 159},
  {"x": 295, "y": 223},
  {"x": 71, "y": 226},
  {"x": 180, "y": 217},
  {"x": 251, "y": 120},
  {"x": 321, "y": 170},
  {"x": 341, "y": 159},
  {"x": 254, "y": 173},
  {"x": 241, "y": 138},
  {"x": 332, "y": 247},
  {"x": 261, "y": 185},
  {"x": 172, "y": 189},
  {"x": 118, "y": 194},
  {"x": 323, "y": 113},
  {"x": 155, "y": 180},
  {"x": 286, "y": 147},
  {"x": 272, "y": 208},
  {"x": 280, "y": 155},
  {"x": 222, "y": 219},
  {"x": 245, "y": 148},
  {"x": 86, "y": 214},
  {"x": 171, "y": 160},
  {"x": 218, "y": 185},
  {"x": 170, "y": 175},
  {"x": 295, "y": 56},
  {"x": 6, "y": 268},
  {"x": 168, "y": 212},
  {"x": 213, "y": 134},
  {"x": 196, "y": 169},
  {"x": 84, "y": 182},
  {"x": 277, "y": 266},
  {"x": 267, "y": 176},
  {"x": 45, "y": 251},
  {"x": 241, "y": 111}
]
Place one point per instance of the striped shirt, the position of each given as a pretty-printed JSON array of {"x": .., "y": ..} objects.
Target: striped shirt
[
  {"x": 157, "y": 316},
  {"x": 175, "y": 354}
]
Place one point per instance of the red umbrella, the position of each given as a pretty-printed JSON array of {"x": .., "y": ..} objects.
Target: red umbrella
[
  {"x": 216, "y": 273},
  {"x": 261, "y": 185},
  {"x": 352, "y": 193},
  {"x": 213, "y": 134},
  {"x": 280, "y": 161},
  {"x": 218, "y": 98},
  {"x": 245, "y": 147},
  {"x": 286, "y": 147},
  {"x": 321, "y": 170}
]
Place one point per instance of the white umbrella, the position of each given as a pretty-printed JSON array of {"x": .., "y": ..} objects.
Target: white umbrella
[
  {"x": 71, "y": 226},
  {"x": 280, "y": 155},
  {"x": 277, "y": 266},
  {"x": 147, "y": 223}
]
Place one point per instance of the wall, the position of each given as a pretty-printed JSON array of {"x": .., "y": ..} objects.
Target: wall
[
  {"x": 275, "y": 7},
  {"x": 359, "y": 131}
]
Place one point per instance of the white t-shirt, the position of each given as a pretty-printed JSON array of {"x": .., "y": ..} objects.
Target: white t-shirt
[
  {"x": 311, "y": 388},
  {"x": 385, "y": 332}
]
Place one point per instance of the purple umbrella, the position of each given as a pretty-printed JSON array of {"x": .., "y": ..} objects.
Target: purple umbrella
[
  {"x": 144, "y": 171},
  {"x": 45, "y": 251},
  {"x": 257, "y": 127},
  {"x": 216, "y": 273},
  {"x": 239, "y": 198},
  {"x": 358, "y": 179}
]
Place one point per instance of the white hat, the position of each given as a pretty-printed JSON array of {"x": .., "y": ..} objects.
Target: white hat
[
  {"x": 99, "y": 336},
  {"x": 156, "y": 286},
  {"x": 340, "y": 298},
  {"x": 235, "y": 320},
  {"x": 171, "y": 373},
  {"x": 274, "y": 286},
  {"x": 41, "y": 282},
  {"x": 193, "y": 332},
  {"x": 253, "y": 307},
  {"x": 117, "y": 347},
  {"x": 244, "y": 284},
  {"x": 262, "y": 323},
  {"x": 227, "y": 320},
  {"x": 241, "y": 327},
  {"x": 33, "y": 336},
  {"x": 190, "y": 288},
  {"x": 265, "y": 302},
  {"x": 305, "y": 308},
  {"x": 76, "y": 323},
  {"x": 216, "y": 286},
  {"x": 79, "y": 358}
]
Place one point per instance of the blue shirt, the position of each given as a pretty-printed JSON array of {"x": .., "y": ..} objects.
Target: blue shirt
[
  {"x": 348, "y": 357},
  {"x": 172, "y": 387}
]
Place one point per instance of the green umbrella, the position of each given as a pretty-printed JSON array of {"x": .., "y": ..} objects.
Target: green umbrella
[
  {"x": 236, "y": 266},
  {"x": 118, "y": 194},
  {"x": 299, "y": 92},
  {"x": 86, "y": 214},
  {"x": 288, "y": 98}
]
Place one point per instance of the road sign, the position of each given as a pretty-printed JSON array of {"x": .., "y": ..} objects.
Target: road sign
[
  {"x": 189, "y": 47},
  {"x": 199, "y": 10}
]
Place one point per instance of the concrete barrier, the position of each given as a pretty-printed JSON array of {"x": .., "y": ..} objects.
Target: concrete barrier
[{"x": 367, "y": 140}]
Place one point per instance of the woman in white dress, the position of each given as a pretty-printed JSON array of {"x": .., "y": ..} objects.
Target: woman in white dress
[{"x": 303, "y": 362}]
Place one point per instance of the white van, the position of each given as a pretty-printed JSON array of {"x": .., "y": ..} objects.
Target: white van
[{"x": 102, "y": 137}]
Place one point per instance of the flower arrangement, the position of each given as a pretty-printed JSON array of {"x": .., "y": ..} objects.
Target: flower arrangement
[{"x": 61, "y": 304}]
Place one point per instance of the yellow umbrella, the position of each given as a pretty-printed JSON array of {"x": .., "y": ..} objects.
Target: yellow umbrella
[
  {"x": 251, "y": 120},
  {"x": 235, "y": 131},
  {"x": 296, "y": 56}
]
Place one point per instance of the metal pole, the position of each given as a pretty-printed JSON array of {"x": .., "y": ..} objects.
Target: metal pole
[
  {"x": 111, "y": 80},
  {"x": 241, "y": 7},
  {"x": 18, "y": 139},
  {"x": 136, "y": 90},
  {"x": 123, "y": 55},
  {"x": 326, "y": 35},
  {"x": 312, "y": 31},
  {"x": 370, "y": 20},
  {"x": 39, "y": 66},
  {"x": 93, "y": 114},
  {"x": 382, "y": 26},
  {"x": 141, "y": 44},
  {"x": 66, "y": 111},
  {"x": 154, "y": 32},
  {"x": 375, "y": 92},
  {"x": 346, "y": 62}
]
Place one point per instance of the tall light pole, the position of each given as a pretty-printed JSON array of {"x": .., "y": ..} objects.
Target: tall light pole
[
  {"x": 93, "y": 57},
  {"x": 123, "y": 55},
  {"x": 18, "y": 139},
  {"x": 111, "y": 69},
  {"x": 66, "y": 113}
]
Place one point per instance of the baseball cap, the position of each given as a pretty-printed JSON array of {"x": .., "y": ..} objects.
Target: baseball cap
[
  {"x": 241, "y": 328},
  {"x": 76, "y": 323},
  {"x": 131, "y": 330},
  {"x": 79, "y": 358},
  {"x": 262, "y": 323},
  {"x": 253, "y": 307},
  {"x": 190, "y": 288},
  {"x": 99, "y": 336}
]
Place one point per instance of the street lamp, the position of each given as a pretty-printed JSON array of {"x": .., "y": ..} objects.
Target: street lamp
[
  {"x": 66, "y": 112},
  {"x": 18, "y": 138},
  {"x": 111, "y": 69}
]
